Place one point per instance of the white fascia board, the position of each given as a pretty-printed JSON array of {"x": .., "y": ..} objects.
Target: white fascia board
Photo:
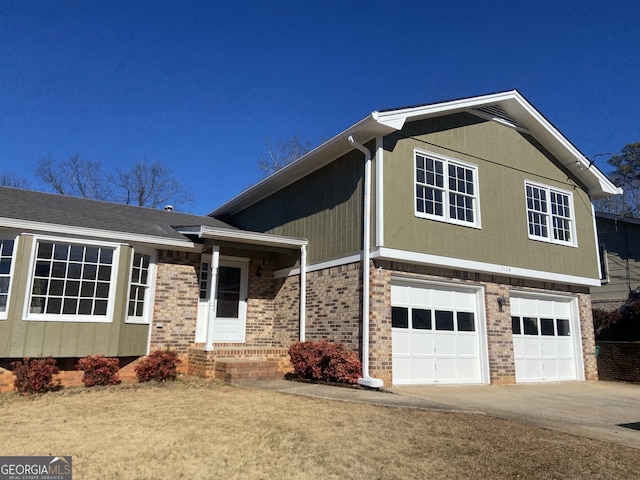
[
  {"x": 336, "y": 262},
  {"x": 483, "y": 267},
  {"x": 579, "y": 165},
  {"x": 364, "y": 130},
  {"x": 252, "y": 238},
  {"x": 29, "y": 226}
]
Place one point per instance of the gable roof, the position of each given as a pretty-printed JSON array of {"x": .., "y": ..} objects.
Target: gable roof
[
  {"x": 38, "y": 211},
  {"x": 509, "y": 108}
]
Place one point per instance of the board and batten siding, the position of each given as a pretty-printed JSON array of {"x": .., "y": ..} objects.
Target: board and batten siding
[
  {"x": 621, "y": 240},
  {"x": 505, "y": 158},
  {"x": 28, "y": 338},
  {"x": 325, "y": 207}
]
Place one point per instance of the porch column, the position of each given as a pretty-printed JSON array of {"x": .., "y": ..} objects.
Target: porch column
[
  {"x": 303, "y": 291},
  {"x": 213, "y": 300}
]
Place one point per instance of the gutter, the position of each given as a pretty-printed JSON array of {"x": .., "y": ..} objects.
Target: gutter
[{"x": 366, "y": 379}]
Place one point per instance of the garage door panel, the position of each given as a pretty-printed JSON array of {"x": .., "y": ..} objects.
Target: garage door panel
[
  {"x": 544, "y": 345},
  {"x": 421, "y": 343},
  {"x": 431, "y": 349},
  {"x": 467, "y": 345},
  {"x": 400, "y": 341}
]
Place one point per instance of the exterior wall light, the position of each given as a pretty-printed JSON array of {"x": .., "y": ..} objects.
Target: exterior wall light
[{"x": 502, "y": 301}]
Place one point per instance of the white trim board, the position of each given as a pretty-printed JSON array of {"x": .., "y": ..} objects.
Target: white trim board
[{"x": 483, "y": 267}]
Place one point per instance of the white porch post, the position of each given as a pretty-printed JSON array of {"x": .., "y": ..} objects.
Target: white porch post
[
  {"x": 213, "y": 301},
  {"x": 303, "y": 290}
]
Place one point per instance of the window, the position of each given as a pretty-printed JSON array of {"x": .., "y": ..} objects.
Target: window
[
  {"x": 399, "y": 317},
  {"x": 139, "y": 289},
  {"x": 6, "y": 256},
  {"x": 446, "y": 190},
  {"x": 558, "y": 327},
  {"x": 550, "y": 214},
  {"x": 604, "y": 263},
  {"x": 72, "y": 281},
  {"x": 204, "y": 280}
]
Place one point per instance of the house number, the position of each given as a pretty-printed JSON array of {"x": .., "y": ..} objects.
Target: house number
[{"x": 505, "y": 269}]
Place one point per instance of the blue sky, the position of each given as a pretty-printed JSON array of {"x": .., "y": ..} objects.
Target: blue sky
[{"x": 200, "y": 85}]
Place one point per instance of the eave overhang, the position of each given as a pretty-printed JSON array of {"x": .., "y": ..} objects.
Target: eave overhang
[
  {"x": 243, "y": 236},
  {"x": 28, "y": 226},
  {"x": 520, "y": 114}
]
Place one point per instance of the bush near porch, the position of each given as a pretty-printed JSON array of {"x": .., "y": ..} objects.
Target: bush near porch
[{"x": 325, "y": 361}]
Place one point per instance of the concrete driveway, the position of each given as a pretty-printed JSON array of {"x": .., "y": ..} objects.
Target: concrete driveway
[{"x": 607, "y": 411}]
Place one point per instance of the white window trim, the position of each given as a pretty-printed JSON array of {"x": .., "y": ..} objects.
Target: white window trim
[
  {"x": 4, "y": 315},
  {"x": 47, "y": 317},
  {"x": 550, "y": 239},
  {"x": 446, "y": 218},
  {"x": 151, "y": 287}
]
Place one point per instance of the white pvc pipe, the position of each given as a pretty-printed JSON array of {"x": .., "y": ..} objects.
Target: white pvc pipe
[{"x": 366, "y": 379}]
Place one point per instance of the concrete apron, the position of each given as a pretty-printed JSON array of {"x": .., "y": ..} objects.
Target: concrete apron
[{"x": 607, "y": 411}]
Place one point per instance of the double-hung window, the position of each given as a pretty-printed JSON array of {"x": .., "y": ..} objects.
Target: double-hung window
[
  {"x": 6, "y": 257},
  {"x": 139, "y": 288},
  {"x": 446, "y": 190},
  {"x": 72, "y": 282},
  {"x": 550, "y": 214}
]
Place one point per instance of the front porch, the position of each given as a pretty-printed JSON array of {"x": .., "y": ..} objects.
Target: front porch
[{"x": 237, "y": 364}]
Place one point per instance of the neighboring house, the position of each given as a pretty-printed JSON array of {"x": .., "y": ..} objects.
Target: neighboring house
[
  {"x": 81, "y": 277},
  {"x": 445, "y": 243},
  {"x": 471, "y": 223},
  {"x": 619, "y": 239}
]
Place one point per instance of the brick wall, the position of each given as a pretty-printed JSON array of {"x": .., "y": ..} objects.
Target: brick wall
[
  {"x": 588, "y": 338},
  {"x": 260, "y": 304},
  {"x": 176, "y": 301},
  {"x": 334, "y": 304},
  {"x": 502, "y": 367},
  {"x": 286, "y": 322},
  {"x": 619, "y": 361}
]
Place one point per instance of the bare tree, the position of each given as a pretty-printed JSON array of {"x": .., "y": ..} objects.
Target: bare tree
[
  {"x": 145, "y": 184},
  {"x": 149, "y": 185},
  {"x": 76, "y": 177},
  {"x": 8, "y": 179},
  {"x": 281, "y": 153},
  {"x": 626, "y": 174}
]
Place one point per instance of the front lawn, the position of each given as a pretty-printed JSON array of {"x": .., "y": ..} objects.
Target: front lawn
[{"x": 192, "y": 429}]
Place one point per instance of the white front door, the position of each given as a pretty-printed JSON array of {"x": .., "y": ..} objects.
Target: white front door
[
  {"x": 546, "y": 337},
  {"x": 231, "y": 301},
  {"x": 436, "y": 335}
]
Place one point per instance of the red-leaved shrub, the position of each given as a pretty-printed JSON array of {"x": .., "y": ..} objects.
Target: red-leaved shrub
[
  {"x": 160, "y": 366},
  {"x": 35, "y": 375},
  {"x": 99, "y": 370},
  {"x": 329, "y": 362}
]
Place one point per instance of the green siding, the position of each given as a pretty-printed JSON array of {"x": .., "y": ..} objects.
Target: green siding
[
  {"x": 325, "y": 207},
  {"x": 620, "y": 239},
  {"x": 22, "y": 338},
  {"x": 505, "y": 159}
]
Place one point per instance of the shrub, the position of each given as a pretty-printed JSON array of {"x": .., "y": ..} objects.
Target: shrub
[
  {"x": 620, "y": 325},
  {"x": 160, "y": 366},
  {"x": 35, "y": 375},
  {"x": 99, "y": 370},
  {"x": 329, "y": 362}
]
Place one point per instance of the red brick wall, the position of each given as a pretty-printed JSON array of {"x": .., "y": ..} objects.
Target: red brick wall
[{"x": 619, "y": 361}]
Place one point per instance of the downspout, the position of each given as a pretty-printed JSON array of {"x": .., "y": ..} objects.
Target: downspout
[
  {"x": 303, "y": 291},
  {"x": 366, "y": 380}
]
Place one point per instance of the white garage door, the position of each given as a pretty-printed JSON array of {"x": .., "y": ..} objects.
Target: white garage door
[
  {"x": 436, "y": 335},
  {"x": 545, "y": 338}
]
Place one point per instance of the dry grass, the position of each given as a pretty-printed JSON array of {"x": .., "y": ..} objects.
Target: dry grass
[{"x": 204, "y": 430}]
